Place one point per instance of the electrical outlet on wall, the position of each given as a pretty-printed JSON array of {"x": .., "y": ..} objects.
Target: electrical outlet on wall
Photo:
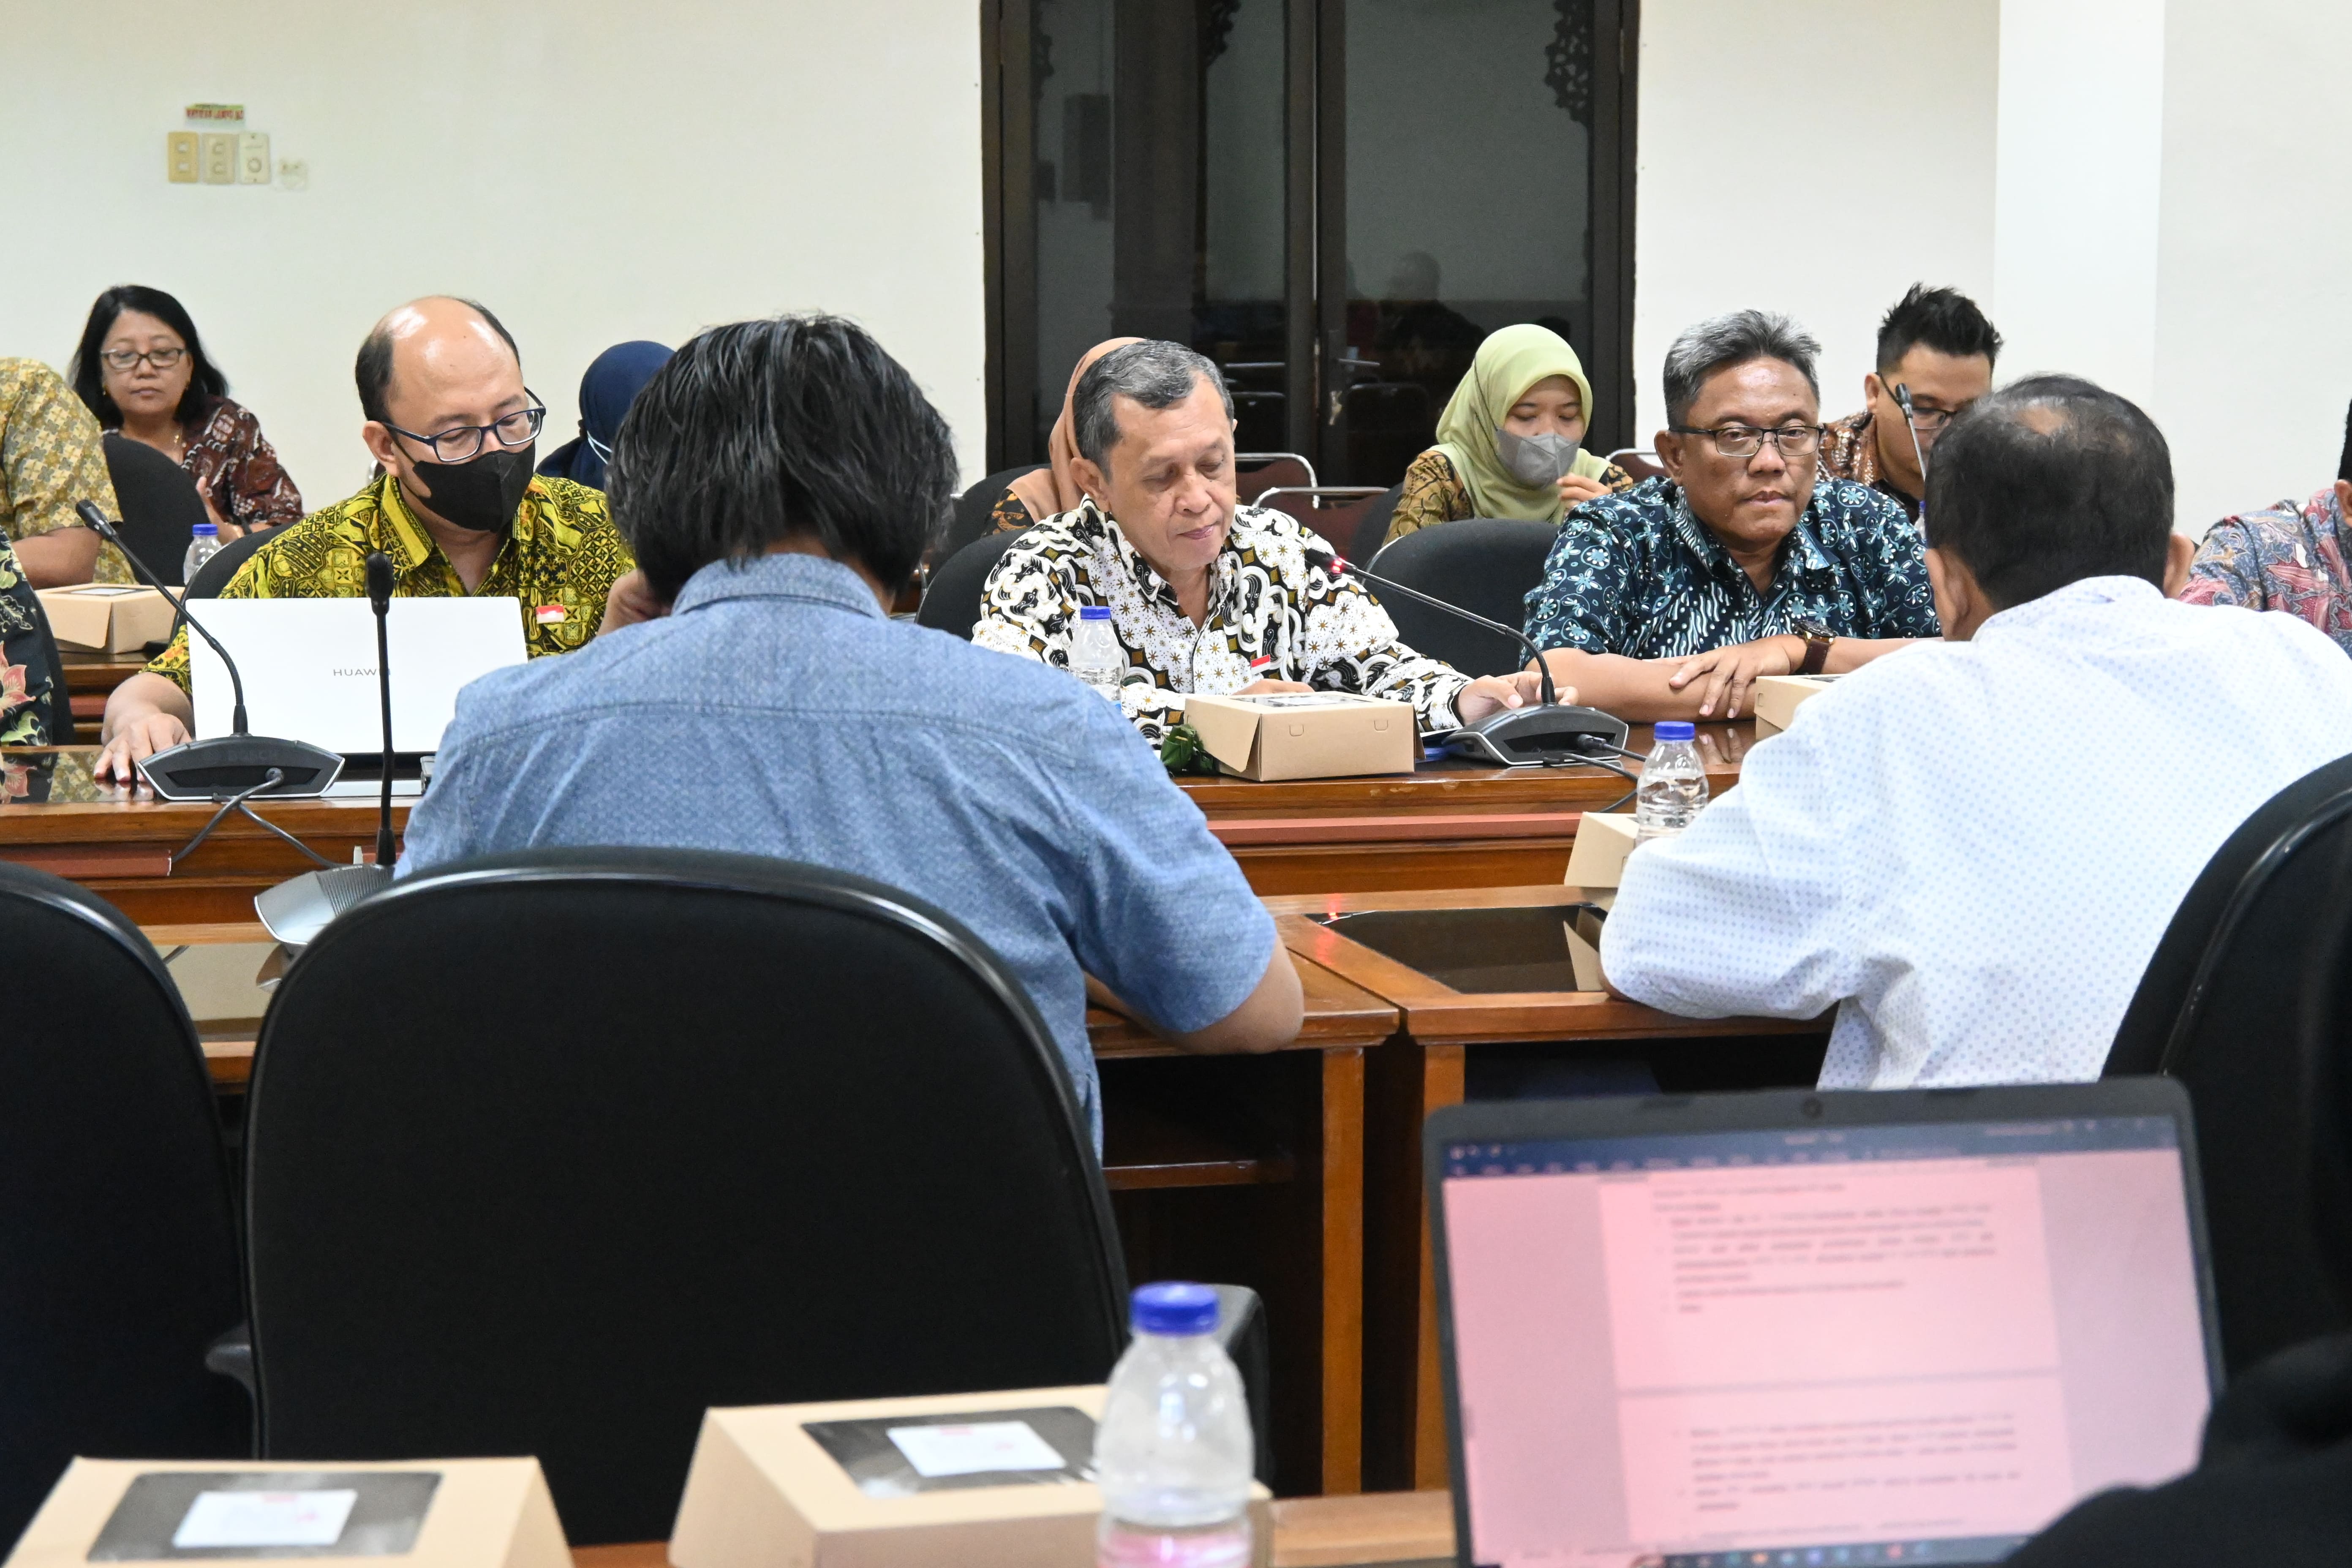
[
  {"x": 219, "y": 157},
  {"x": 293, "y": 173},
  {"x": 179, "y": 157},
  {"x": 252, "y": 158}
]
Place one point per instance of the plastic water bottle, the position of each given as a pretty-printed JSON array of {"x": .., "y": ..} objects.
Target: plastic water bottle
[
  {"x": 1096, "y": 657},
  {"x": 1674, "y": 783},
  {"x": 1173, "y": 1454},
  {"x": 200, "y": 549}
]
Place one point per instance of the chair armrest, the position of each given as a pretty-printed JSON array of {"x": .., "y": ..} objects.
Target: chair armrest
[
  {"x": 1242, "y": 1331},
  {"x": 231, "y": 1356}
]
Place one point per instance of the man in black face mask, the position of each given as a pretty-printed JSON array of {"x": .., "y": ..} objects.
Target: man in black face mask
[{"x": 454, "y": 503}]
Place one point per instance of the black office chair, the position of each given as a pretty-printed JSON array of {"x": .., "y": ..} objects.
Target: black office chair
[
  {"x": 548, "y": 1153},
  {"x": 213, "y": 574},
  {"x": 951, "y": 602},
  {"x": 159, "y": 501},
  {"x": 1483, "y": 564},
  {"x": 1372, "y": 528},
  {"x": 2230, "y": 1005},
  {"x": 969, "y": 519},
  {"x": 116, "y": 1227}
]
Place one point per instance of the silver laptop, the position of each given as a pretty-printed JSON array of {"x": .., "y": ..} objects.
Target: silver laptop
[
  {"x": 309, "y": 667},
  {"x": 1814, "y": 1330}
]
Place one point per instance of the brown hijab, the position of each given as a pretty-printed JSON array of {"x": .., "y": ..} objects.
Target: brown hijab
[{"x": 1050, "y": 491}]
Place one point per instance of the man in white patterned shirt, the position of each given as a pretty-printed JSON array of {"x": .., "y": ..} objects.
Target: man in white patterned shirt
[
  {"x": 1970, "y": 847},
  {"x": 1204, "y": 596}
]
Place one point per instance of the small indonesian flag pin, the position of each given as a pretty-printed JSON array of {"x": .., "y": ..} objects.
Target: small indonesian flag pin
[
  {"x": 549, "y": 614},
  {"x": 1260, "y": 662}
]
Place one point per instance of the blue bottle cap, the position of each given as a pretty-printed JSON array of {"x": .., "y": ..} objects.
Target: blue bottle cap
[
  {"x": 1094, "y": 612},
  {"x": 1677, "y": 730},
  {"x": 1173, "y": 1307},
  {"x": 205, "y": 530}
]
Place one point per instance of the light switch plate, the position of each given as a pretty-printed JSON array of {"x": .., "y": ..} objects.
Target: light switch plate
[
  {"x": 252, "y": 158},
  {"x": 220, "y": 157},
  {"x": 179, "y": 157},
  {"x": 293, "y": 173}
]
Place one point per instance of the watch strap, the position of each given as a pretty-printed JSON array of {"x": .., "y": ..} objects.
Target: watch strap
[{"x": 1817, "y": 649}]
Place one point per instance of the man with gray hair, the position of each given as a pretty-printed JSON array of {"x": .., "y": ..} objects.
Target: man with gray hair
[
  {"x": 1669, "y": 600},
  {"x": 1204, "y": 596}
]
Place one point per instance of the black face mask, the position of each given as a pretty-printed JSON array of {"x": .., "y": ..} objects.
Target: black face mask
[{"x": 482, "y": 495}]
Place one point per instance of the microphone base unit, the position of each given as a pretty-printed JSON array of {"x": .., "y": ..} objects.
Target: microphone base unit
[
  {"x": 1537, "y": 737},
  {"x": 296, "y": 911},
  {"x": 227, "y": 765}
]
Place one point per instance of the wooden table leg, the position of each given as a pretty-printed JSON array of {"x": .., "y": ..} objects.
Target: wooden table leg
[
  {"x": 1342, "y": 1230},
  {"x": 1404, "y": 1416}
]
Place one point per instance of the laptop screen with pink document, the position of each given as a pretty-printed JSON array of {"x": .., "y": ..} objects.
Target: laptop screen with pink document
[{"x": 1789, "y": 1330}]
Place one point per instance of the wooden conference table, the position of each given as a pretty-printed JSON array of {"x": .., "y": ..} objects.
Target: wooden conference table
[{"x": 1446, "y": 824}]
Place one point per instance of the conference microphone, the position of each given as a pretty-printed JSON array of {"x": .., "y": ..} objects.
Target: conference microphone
[
  {"x": 1902, "y": 401},
  {"x": 297, "y": 911},
  {"x": 234, "y": 766},
  {"x": 1551, "y": 734}
]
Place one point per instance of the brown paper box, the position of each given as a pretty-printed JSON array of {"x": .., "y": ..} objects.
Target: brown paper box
[
  {"x": 485, "y": 1513},
  {"x": 1306, "y": 734},
  {"x": 763, "y": 1494},
  {"x": 101, "y": 619},
  {"x": 1777, "y": 698},
  {"x": 1597, "y": 859}
]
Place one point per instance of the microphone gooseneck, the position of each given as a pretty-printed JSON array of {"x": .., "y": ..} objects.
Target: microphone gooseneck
[
  {"x": 106, "y": 530},
  {"x": 1534, "y": 655},
  {"x": 1902, "y": 401},
  {"x": 380, "y": 582}
]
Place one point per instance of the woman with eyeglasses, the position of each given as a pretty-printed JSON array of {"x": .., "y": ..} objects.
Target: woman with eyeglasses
[{"x": 141, "y": 369}]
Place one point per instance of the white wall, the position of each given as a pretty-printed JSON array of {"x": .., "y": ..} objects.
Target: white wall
[
  {"x": 1813, "y": 156},
  {"x": 593, "y": 170}
]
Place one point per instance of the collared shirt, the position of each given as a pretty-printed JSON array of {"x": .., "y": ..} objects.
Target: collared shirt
[
  {"x": 51, "y": 458},
  {"x": 796, "y": 720},
  {"x": 1850, "y": 451},
  {"x": 1638, "y": 574},
  {"x": 28, "y": 702},
  {"x": 2286, "y": 557},
  {"x": 1950, "y": 847},
  {"x": 560, "y": 562},
  {"x": 1277, "y": 596}
]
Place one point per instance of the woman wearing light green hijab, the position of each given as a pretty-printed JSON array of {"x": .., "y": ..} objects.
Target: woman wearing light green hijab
[{"x": 1508, "y": 444}]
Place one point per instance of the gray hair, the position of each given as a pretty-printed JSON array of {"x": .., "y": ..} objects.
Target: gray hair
[
  {"x": 1720, "y": 342},
  {"x": 1156, "y": 373}
]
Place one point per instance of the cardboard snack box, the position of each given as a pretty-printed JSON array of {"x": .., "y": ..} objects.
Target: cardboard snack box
[
  {"x": 1306, "y": 734},
  {"x": 1777, "y": 698},
  {"x": 99, "y": 617}
]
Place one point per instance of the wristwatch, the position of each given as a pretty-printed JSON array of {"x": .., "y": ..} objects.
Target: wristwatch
[{"x": 1818, "y": 638}]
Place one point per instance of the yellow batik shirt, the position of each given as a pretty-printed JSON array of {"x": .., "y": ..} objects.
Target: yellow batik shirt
[
  {"x": 51, "y": 456},
  {"x": 560, "y": 562}
]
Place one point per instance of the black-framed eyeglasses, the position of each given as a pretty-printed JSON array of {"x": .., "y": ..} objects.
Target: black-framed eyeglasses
[
  {"x": 464, "y": 443},
  {"x": 1746, "y": 440},
  {"x": 122, "y": 362},
  {"x": 1923, "y": 418}
]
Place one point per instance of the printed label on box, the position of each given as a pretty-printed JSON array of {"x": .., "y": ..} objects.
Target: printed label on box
[
  {"x": 265, "y": 1518},
  {"x": 980, "y": 1448}
]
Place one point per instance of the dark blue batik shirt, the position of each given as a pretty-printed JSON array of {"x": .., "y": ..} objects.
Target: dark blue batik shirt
[{"x": 1636, "y": 573}]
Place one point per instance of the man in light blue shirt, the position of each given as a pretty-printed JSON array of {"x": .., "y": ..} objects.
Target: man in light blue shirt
[{"x": 778, "y": 480}]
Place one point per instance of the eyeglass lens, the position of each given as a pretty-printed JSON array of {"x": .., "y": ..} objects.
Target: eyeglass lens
[
  {"x": 128, "y": 359},
  {"x": 1740, "y": 441}
]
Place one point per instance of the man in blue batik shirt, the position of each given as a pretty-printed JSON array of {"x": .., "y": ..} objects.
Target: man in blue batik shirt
[
  {"x": 778, "y": 480},
  {"x": 1667, "y": 600}
]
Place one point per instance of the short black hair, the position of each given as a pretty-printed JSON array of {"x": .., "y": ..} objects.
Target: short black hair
[
  {"x": 1155, "y": 373},
  {"x": 760, "y": 431},
  {"x": 2344, "y": 463},
  {"x": 373, "y": 369},
  {"x": 2047, "y": 482},
  {"x": 1946, "y": 320},
  {"x": 205, "y": 381}
]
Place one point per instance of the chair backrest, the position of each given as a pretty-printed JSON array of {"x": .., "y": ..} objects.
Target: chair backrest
[
  {"x": 213, "y": 574},
  {"x": 548, "y": 1153},
  {"x": 951, "y": 600},
  {"x": 969, "y": 519},
  {"x": 1255, "y": 473},
  {"x": 1372, "y": 528},
  {"x": 159, "y": 501},
  {"x": 121, "y": 1248},
  {"x": 1483, "y": 564},
  {"x": 1640, "y": 463},
  {"x": 1331, "y": 512},
  {"x": 2227, "y": 1006}
]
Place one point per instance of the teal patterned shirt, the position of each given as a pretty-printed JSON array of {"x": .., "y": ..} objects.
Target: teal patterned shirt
[{"x": 1636, "y": 573}]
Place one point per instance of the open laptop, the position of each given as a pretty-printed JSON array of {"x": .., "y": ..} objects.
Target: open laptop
[
  {"x": 310, "y": 670},
  {"x": 1789, "y": 1330}
]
